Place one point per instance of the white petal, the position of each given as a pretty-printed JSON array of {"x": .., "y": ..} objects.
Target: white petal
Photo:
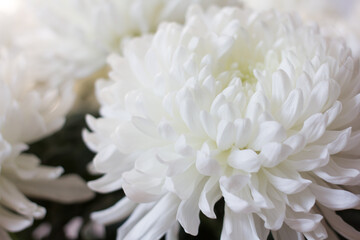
[
  {"x": 208, "y": 123},
  {"x": 205, "y": 164},
  {"x": 258, "y": 186},
  {"x": 273, "y": 217},
  {"x": 146, "y": 126},
  {"x": 302, "y": 201},
  {"x": 257, "y": 104},
  {"x": 188, "y": 212},
  {"x": 333, "y": 112},
  {"x": 184, "y": 183},
  {"x": 259, "y": 225},
  {"x": 210, "y": 194},
  {"x": 225, "y": 135},
  {"x": 286, "y": 180},
  {"x": 246, "y": 160},
  {"x": 140, "y": 211},
  {"x": 335, "y": 174},
  {"x": 291, "y": 109},
  {"x": 309, "y": 159},
  {"x": 336, "y": 222},
  {"x": 314, "y": 127},
  {"x": 224, "y": 44},
  {"x": 166, "y": 131},
  {"x": 66, "y": 189},
  {"x": 270, "y": 131},
  {"x": 115, "y": 213},
  {"x": 274, "y": 153},
  {"x": 318, "y": 234},
  {"x": 287, "y": 233},
  {"x": 110, "y": 158},
  {"x": 297, "y": 142},
  {"x": 108, "y": 183},
  {"x": 238, "y": 226},
  {"x": 182, "y": 147},
  {"x": 302, "y": 222},
  {"x": 173, "y": 232},
  {"x": 129, "y": 139},
  {"x": 318, "y": 98},
  {"x": 335, "y": 199},
  {"x": 243, "y": 132},
  {"x": 14, "y": 200},
  {"x": 230, "y": 186},
  {"x": 281, "y": 86},
  {"x": 12, "y": 222},
  {"x": 140, "y": 187},
  {"x": 190, "y": 114},
  {"x": 28, "y": 166},
  {"x": 335, "y": 141},
  {"x": 353, "y": 142},
  {"x": 157, "y": 221},
  {"x": 350, "y": 110},
  {"x": 175, "y": 163}
]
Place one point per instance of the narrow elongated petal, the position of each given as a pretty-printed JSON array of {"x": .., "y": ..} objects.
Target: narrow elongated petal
[{"x": 335, "y": 199}]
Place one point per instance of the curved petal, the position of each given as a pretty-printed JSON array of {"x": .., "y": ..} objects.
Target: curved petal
[
  {"x": 66, "y": 189},
  {"x": 286, "y": 180},
  {"x": 339, "y": 224},
  {"x": 238, "y": 226},
  {"x": 335, "y": 199},
  {"x": 117, "y": 212},
  {"x": 210, "y": 194},
  {"x": 157, "y": 221},
  {"x": 12, "y": 222}
]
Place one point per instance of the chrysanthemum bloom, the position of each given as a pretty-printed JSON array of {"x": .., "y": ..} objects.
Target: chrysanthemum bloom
[
  {"x": 101, "y": 26},
  {"x": 338, "y": 17},
  {"x": 255, "y": 108},
  {"x": 21, "y": 30},
  {"x": 30, "y": 108}
]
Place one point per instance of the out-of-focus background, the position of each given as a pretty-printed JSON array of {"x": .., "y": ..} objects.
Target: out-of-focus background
[{"x": 66, "y": 148}]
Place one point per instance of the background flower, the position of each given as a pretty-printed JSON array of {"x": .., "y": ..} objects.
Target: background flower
[
  {"x": 253, "y": 107},
  {"x": 24, "y": 33},
  {"x": 30, "y": 110},
  {"x": 36, "y": 89},
  {"x": 95, "y": 29},
  {"x": 337, "y": 17}
]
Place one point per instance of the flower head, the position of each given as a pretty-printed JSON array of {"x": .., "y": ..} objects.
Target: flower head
[
  {"x": 100, "y": 27},
  {"x": 253, "y": 107},
  {"x": 337, "y": 17},
  {"x": 30, "y": 109}
]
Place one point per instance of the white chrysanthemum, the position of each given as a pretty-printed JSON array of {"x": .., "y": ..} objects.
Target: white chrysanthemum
[
  {"x": 30, "y": 109},
  {"x": 35, "y": 95},
  {"x": 21, "y": 30},
  {"x": 93, "y": 29},
  {"x": 101, "y": 26},
  {"x": 252, "y": 107},
  {"x": 338, "y": 17}
]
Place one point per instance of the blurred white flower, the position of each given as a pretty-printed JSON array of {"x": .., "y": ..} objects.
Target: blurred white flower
[
  {"x": 8, "y": 6},
  {"x": 22, "y": 31},
  {"x": 99, "y": 27},
  {"x": 89, "y": 30},
  {"x": 253, "y": 107},
  {"x": 30, "y": 109},
  {"x": 337, "y": 17}
]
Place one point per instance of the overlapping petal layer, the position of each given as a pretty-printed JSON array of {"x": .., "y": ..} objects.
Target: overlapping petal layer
[
  {"x": 253, "y": 107},
  {"x": 30, "y": 109}
]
